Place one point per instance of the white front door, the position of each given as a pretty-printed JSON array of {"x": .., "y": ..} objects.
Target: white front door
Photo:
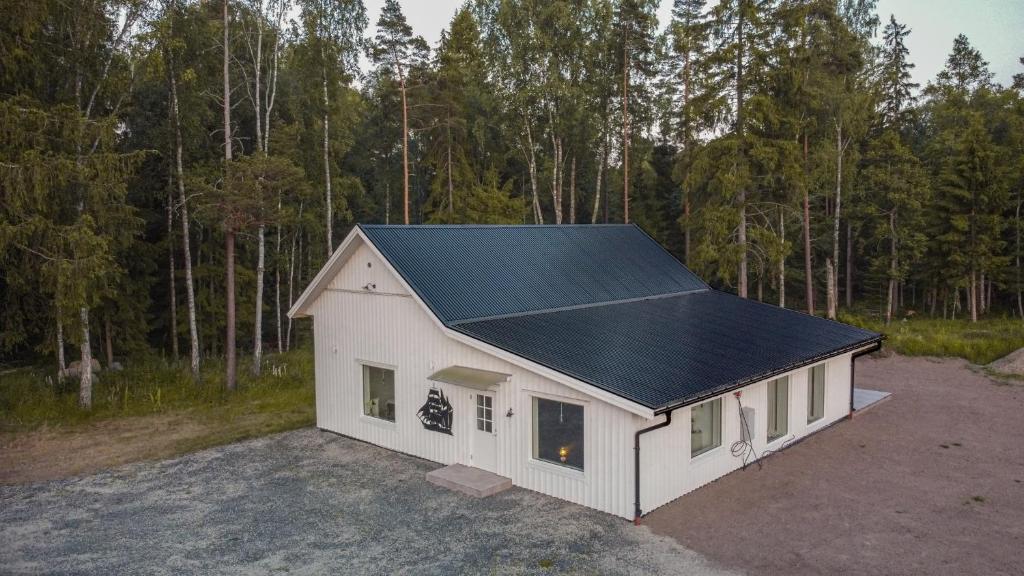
[{"x": 485, "y": 440}]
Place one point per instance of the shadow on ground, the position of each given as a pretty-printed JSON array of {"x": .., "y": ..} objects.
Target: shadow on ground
[{"x": 310, "y": 502}]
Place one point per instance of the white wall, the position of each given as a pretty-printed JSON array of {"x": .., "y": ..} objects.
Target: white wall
[
  {"x": 389, "y": 328},
  {"x": 669, "y": 472}
]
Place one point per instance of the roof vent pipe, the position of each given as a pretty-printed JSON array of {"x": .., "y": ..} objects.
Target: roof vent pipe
[{"x": 636, "y": 464}]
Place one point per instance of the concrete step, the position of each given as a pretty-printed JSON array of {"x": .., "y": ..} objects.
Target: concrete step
[
  {"x": 864, "y": 399},
  {"x": 472, "y": 481}
]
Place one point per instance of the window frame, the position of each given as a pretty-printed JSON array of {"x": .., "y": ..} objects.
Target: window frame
[
  {"x": 715, "y": 422},
  {"x": 773, "y": 400},
  {"x": 484, "y": 413},
  {"x": 364, "y": 367},
  {"x": 811, "y": 419},
  {"x": 534, "y": 439}
]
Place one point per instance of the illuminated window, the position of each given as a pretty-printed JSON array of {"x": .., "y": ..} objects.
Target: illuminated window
[{"x": 558, "y": 432}]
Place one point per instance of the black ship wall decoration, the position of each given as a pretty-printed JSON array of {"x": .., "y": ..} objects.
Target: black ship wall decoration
[{"x": 436, "y": 414}]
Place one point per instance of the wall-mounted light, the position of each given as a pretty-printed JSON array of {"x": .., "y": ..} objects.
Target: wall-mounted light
[
  {"x": 563, "y": 453},
  {"x": 509, "y": 414},
  {"x": 370, "y": 287}
]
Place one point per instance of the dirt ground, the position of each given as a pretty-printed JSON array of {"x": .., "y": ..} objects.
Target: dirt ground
[
  {"x": 53, "y": 453},
  {"x": 929, "y": 482}
]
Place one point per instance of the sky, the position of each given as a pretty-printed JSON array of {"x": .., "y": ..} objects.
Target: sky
[{"x": 995, "y": 27}]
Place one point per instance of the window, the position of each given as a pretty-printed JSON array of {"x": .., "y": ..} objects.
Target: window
[
  {"x": 558, "y": 432},
  {"x": 815, "y": 393},
  {"x": 484, "y": 413},
  {"x": 778, "y": 408},
  {"x": 705, "y": 427},
  {"x": 379, "y": 393}
]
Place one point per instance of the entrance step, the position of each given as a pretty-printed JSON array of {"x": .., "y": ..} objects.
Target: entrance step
[{"x": 468, "y": 480}]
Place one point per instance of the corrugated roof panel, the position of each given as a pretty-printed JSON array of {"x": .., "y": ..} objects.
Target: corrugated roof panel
[
  {"x": 468, "y": 272},
  {"x": 665, "y": 351}
]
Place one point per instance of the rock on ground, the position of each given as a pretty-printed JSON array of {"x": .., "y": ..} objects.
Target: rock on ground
[{"x": 1012, "y": 363}]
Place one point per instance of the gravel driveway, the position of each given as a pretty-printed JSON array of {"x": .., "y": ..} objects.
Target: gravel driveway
[{"x": 310, "y": 502}]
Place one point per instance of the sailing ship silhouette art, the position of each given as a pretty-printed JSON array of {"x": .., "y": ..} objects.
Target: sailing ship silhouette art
[{"x": 436, "y": 414}]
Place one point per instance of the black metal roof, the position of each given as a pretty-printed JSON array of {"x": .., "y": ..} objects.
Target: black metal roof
[
  {"x": 607, "y": 306},
  {"x": 465, "y": 272}
]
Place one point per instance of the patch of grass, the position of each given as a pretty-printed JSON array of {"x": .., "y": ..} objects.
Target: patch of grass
[
  {"x": 281, "y": 398},
  {"x": 978, "y": 342}
]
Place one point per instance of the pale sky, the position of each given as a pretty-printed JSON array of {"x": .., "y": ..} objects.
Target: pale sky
[{"x": 995, "y": 27}]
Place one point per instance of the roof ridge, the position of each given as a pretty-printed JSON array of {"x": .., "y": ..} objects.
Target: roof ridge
[{"x": 577, "y": 306}]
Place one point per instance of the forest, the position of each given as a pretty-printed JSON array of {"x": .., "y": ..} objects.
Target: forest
[{"x": 174, "y": 172}]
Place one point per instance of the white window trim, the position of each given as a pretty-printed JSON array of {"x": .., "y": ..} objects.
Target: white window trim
[
  {"x": 721, "y": 432},
  {"x": 789, "y": 405},
  {"x": 544, "y": 465},
  {"x": 824, "y": 393},
  {"x": 383, "y": 423},
  {"x": 476, "y": 419}
]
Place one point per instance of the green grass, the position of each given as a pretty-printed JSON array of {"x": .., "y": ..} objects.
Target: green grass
[
  {"x": 281, "y": 398},
  {"x": 979, "y": 342}
]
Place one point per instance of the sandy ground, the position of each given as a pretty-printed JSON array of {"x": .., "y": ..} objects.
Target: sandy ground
[
  {"x": 928, "y": 482},
  {"x": 310, "y": 502}
]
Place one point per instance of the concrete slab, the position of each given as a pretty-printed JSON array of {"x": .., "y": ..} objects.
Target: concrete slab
[
  {"x": 473, "y": 481},
  {"x": 863, "y": 398}
]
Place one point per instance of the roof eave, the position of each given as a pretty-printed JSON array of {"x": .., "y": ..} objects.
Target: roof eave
[{"x": 875, "y": 340}]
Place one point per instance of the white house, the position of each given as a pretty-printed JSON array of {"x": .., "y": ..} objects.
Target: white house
[{"x": 583, "y": 362}]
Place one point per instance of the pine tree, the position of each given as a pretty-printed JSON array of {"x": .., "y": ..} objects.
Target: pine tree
[{"x": 397, "y": 52}]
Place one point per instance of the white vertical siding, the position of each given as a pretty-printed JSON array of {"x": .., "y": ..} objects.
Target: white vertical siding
[
  {"x": 668, "y": 472},
  {"x": 388, "y": 327},
  {"x": 393, "y": 330}
]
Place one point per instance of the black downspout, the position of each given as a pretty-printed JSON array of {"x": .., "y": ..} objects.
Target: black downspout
[
  {"x": 636, "y": 464},
  {"x": 853, "y": 368}
]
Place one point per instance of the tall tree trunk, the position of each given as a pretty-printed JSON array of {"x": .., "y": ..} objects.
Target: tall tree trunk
[
  {"x": 830, "y": 282},
  {"x": 173, "y": 293},
  {"x": 229, "y": 232},
  {"x": 108, "y": 340},
  {"x": 291, "y": 280},
  {"x": 625, "y": 129},
  {"x": 849, "y": 264},
  {"x": 405, "y": 151},
  {"x": 893, "y": 267},
  {"x": 808, "y": 270},
  {"x": 782, "y": 258},
  {"x": 268, "y": 106},
  {"x": 179, "y": 171},
  {"x": 451, "y": 184},
  {"x": 62, "y": 365},
  {"x": 601, "y": 158},
  {"x": 741, "y": 196},
  {"x": 973, "y": 296},
  {"x": 85, "y": 372},
  {"x": 327, "y": 164},
  {"x": 229, "y": 341},
  {"x": 572, "y": 191},
  {"x": 556, "y": 178},
  {"x": 840, "y": 148},
  {"x": 531, "y": 164},
  {"x": 257, "y": 333}
]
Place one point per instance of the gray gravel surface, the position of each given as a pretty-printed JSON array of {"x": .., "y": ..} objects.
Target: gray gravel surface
[{"x": 310, "y": 502}]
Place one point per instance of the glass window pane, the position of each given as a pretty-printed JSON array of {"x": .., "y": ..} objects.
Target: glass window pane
[
  {"x": 379, "y": 393},
  {"x": 558, "y": 432},
  {"x": 705, "y": 427},
  {"x": 778, "y": 408},
  {"x": 816, "y": 393}
]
